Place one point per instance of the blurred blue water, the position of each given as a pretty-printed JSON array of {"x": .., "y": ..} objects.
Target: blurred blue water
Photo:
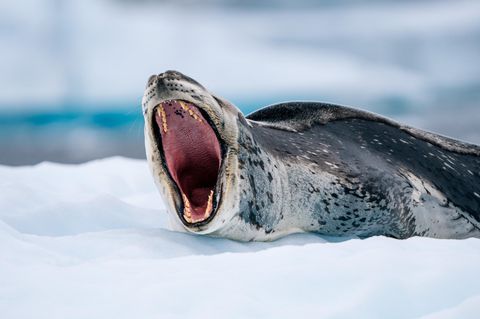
[
  {"x": 120, "y": 115},
  {"x": 73, "y": 72}
]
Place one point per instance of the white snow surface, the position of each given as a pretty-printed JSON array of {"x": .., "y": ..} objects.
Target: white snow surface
[{"x": 92, "y": 241}]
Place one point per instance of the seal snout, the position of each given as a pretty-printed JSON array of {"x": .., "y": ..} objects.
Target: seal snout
[{"x": 192, "y": 154}]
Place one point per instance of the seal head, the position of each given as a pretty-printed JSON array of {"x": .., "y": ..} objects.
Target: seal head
[{"x": 191, "y": 143}]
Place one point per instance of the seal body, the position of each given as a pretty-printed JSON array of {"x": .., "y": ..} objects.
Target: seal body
[{"x": 315, "y": 167}]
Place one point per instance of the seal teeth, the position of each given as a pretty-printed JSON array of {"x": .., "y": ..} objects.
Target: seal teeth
[
  {"x": 190, "y": 111},
  {"x": 161, "y": 111},
  {"x": 187, "y": 214},
  {"x": 186, "y": 203},
  {"x": 208, "y": 211}
]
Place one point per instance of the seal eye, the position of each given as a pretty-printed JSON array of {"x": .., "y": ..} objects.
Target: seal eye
[{"x": 192, "y": 154}]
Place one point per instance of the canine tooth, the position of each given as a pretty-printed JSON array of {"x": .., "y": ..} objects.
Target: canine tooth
[
  {"x": 187, "y": 214},
  {"x": 208, "y": 211},
  {"x": 186, "y": 203},
  {"x": 182, "y": 104},
  {"x": 164, "y": 118},
  {"x": 188, "y": 219},
  {"x": 192, "y": 114}
]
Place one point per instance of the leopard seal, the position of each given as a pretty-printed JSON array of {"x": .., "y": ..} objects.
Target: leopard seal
[{"x": 303, "y": 167}]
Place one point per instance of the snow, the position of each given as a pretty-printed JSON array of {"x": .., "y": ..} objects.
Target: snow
[{"x": 92, "y": 241}]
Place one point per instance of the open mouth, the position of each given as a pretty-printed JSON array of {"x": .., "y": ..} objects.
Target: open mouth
[{"x": 192, "y": 154}]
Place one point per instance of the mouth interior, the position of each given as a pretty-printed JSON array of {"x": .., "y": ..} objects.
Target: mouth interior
[{"x": 192, "y": 154}]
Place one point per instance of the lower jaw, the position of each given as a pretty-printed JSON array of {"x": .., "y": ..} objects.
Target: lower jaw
[{"x": 190, "y": 214}]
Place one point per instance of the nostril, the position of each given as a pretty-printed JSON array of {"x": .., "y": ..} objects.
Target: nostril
[{"x": 151, "y": 79}]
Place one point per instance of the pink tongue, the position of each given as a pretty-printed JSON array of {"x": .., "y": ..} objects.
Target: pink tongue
[{"x": 192, "y": 152}]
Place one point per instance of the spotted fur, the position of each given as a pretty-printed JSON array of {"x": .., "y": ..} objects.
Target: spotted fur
[{"x": 333, "y": 170}]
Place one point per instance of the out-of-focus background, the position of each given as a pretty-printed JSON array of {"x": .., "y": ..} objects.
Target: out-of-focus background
[{"x": 72, "y": 73}]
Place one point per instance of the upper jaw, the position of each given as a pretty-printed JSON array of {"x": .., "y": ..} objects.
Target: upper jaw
[{"x": 171, "y": 86}]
